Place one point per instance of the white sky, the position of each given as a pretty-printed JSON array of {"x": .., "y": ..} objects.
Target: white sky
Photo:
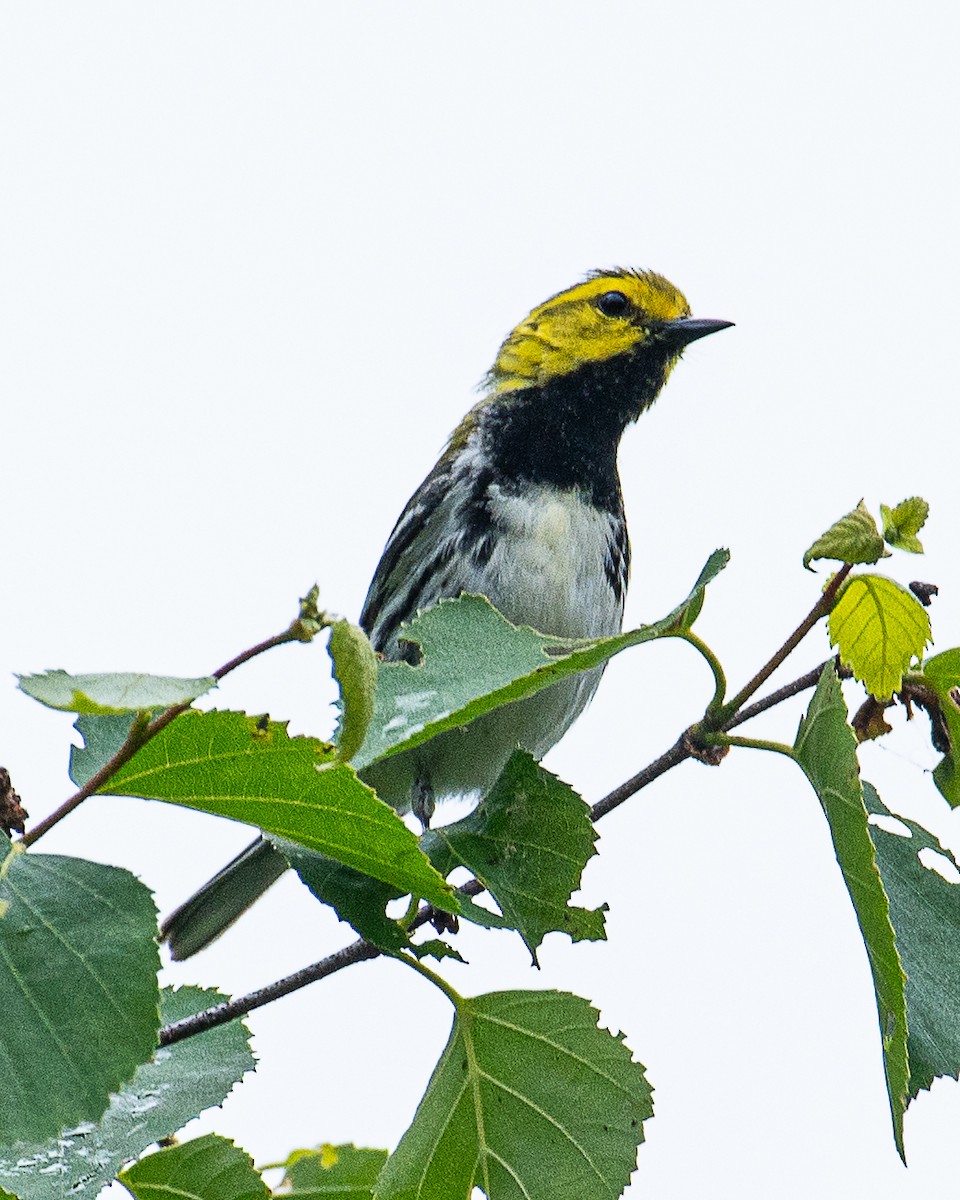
[{"x": 254, "y": 259}]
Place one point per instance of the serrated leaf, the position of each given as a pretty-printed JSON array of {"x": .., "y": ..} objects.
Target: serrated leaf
[
  {"x": 355, "y": 897},
  {"x": 78, "y": 988},
  {"x": 355, "y": 670},
  {"x": 826, "y": 749},
  {"x": 531, "y": 1100},
  {"x": 103, "y": 694},
  {"x": 853, "y": 539},
  {"x": 474, "y": 660},
  {"x": 879, "y": 628},
  {"x": 180, "y": 1082},
  {"x": 338, "y": 1172},
  {"x": 207, "y": 1168},
  {"x": 528, "y": 842},
  {"x": 902, "y": 523},
  {"x": 251, "y": 770},
  {"x": 925, "y": 910}
]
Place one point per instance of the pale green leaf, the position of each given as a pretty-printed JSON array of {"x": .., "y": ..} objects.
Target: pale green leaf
[
  {"x": 853, "y": 539},
  {"x": 902, "y": 524},
  {"x": 332, "y": 1173},
  {"x": 102, "y": 694},
  {"x": 530, "y": 1101},
  {"x": 355, "y": 670},
  {"x": 925, "y": 910},
  {"x": 249, "y": 769},
  {"x": 879, "y": 628},
  {"x": 78, "y": 988},
  {"x": 826, "y": 749},
  {"x": 474, "y": 660},
  {"x": 180, "y": 1082}
]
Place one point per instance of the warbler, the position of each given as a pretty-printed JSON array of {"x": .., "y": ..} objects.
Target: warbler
[{"x": 524, "y": 507}]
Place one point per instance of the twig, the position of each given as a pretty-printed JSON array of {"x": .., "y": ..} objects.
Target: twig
[
  {"x": 141, "y": 731},
  {"x": 231, "y": 1009}
]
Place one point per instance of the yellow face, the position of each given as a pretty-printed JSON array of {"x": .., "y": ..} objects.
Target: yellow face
[{"x": 609, "y": 314}]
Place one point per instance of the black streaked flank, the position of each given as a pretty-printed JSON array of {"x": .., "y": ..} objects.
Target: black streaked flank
[
  {"x": 419, "y": 509},
  {"x": 617, "y": 564}
]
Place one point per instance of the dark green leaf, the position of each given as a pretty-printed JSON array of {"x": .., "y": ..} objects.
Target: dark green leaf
[
  {"x": 355, "y": 897},
  {"x": 78, "y": 988},
  {"x": 925, "y": 910},
  {"x": 902, "y": 524},
  {"x": 474, "y": 660},
  {"x": 529, "y": 1101},
  {"x": 826, "y": 749},
  {"x": 181, "y": 1082},
  {"x": 102, "y": 694},
  {"x": 879, "y": 628},
  {"x": 355, "y": 670},
  {"x": 334, "y": 1172},
  {"x": 102, "y": 737},
  {"x": 251, "y": 770},
  {"x": 941, "y": 673},
  {"x": 853, "y": 539},
  {"x": 528, "y": 842},
  {"x": 208, "y": 1168}
]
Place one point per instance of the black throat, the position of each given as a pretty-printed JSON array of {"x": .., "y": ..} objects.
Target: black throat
[{"x": 566, "y": 433}]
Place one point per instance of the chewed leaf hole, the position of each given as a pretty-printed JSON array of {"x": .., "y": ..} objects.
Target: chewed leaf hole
[
  {"x": 944, "y": 867},
  {"x": 890, "y": 825}
]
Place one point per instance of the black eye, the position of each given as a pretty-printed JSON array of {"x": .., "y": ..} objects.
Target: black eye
[{"x": 613, "y": 304}]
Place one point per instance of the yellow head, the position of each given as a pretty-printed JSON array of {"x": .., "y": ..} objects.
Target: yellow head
[{"x": 612, "y": 313}]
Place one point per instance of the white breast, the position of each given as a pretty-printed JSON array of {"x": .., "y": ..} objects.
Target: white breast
[{"x": 549, "y": 567}]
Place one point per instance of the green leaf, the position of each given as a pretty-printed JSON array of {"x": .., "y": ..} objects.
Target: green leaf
[
  {"x": 474, "y": 660},
  {"x": 902, "y": 524},
  {"x": 528, "y": 842},
  {"x": 529, "y": 1100},
  {"x": 941, "y": 672},
  {"x": 208, "y": 1168},
  {"x": 250, "y": 770},
  {"x": 338, "y": 1172},
  {"x": 925, "y": 910},
  {"x": 78, "y": 988},
  {"x": 879, "y": 628},
  {"x": 103, "y": 737},
  {"x": 355, "y": 897},
  {"x": 355, "y": 670},
  {"x": 164, "y": 1095},
  {"x": 102, "y": 694},
  {"x": 853, "y": 539},
  {"x": 826, "y": 749}
]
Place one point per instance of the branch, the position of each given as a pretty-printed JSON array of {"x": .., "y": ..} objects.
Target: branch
[
  {"x": 222, "y": 1013},
  {"x": 686, "y": 746},
  {"x": 141, "y": 731}
]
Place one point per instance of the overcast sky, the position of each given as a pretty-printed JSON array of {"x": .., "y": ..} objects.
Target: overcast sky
[{"x": 255, "y": 259}]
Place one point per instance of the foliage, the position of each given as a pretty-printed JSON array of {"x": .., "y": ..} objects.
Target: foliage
[{"x": 530, "y": 1097}]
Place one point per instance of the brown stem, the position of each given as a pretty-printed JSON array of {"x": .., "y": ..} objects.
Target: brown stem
[{"x": 819, "y": 610}]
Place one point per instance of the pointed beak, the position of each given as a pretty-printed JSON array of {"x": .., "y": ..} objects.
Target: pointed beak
[{"x": 690, "y": 329}]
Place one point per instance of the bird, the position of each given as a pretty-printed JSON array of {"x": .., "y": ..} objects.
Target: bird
[{"x": 524, "y": 506}]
